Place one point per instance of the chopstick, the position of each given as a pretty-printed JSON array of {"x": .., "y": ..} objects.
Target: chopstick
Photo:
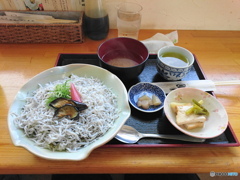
[{"x": 222, "y": 83}]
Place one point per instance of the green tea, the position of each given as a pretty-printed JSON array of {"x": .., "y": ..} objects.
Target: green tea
[{"x": 174, "y": 59}]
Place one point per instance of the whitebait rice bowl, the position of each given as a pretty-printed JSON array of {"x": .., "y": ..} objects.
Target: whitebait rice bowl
[{"x": 37, "y": 122}]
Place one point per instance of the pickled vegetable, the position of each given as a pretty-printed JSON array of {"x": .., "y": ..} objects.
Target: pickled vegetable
[
  {"x": 156, "y": 101},
  {"x": 197, "y": 109},
  {"x": 145, "y": 101}
]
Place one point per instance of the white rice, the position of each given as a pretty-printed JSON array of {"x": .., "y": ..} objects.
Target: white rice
[{"x": 36, "y": 119}]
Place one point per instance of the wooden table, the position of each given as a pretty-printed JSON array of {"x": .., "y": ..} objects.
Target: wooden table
[{"x": 218, "y": 53}]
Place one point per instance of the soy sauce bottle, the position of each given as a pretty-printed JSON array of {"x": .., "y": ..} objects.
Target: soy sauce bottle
[{"x": 96, "y": 20}]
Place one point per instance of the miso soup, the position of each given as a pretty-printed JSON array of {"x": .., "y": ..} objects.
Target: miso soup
[
  {"x": 174, "y": 59},
  {"x": 122, "y": 62}
]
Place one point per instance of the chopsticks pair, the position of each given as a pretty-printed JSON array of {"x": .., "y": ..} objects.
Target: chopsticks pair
[{"x": 205, "y": 85}]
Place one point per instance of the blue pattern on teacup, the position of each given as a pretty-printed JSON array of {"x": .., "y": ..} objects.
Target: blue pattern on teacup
[{"x": 171, "y": 73}]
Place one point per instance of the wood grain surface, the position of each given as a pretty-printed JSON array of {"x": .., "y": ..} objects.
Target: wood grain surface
[{"x": 218, "y": 53}]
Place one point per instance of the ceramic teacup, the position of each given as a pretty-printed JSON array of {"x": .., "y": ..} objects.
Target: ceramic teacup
[{"x": 174, "y": 62}]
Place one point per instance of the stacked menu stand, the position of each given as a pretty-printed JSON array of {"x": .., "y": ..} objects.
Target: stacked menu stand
[
  {"x": 64, "y": 27},
  {"x": 157, "y": 122}
]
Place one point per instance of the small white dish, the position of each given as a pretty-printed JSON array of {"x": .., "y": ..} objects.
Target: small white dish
[
  {"x": 56, "y": 73},
  {"x": 217, "y": 121},
  {"x": 144, "y": 88}
]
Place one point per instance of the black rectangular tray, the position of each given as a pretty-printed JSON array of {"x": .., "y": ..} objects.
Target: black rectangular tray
[{"x": 154, "y": 122}]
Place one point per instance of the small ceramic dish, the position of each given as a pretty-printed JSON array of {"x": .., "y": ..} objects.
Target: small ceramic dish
[
  {"x": 148, "y": 89},
  {"x": 216, "y": 122}
]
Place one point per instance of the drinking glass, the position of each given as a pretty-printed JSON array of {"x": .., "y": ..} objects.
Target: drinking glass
[{"x": 129, "y": 19}]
